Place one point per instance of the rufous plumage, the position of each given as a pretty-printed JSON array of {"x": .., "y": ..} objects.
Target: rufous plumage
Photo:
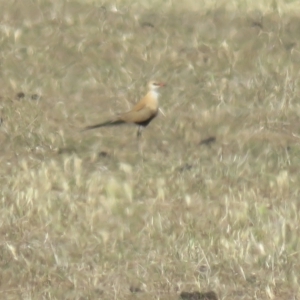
[{"x": 141, "y": 114}]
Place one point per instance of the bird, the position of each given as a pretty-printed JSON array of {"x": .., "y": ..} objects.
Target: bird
[{"x": 141, "y": 114}]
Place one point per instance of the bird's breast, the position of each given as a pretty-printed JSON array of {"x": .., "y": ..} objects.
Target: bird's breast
[{"x": 152, "y": 100}]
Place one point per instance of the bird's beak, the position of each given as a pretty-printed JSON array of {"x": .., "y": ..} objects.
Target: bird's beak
[{"x": 162, "y": 84}]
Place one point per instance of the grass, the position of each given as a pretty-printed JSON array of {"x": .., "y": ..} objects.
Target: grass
[{"x": 212, "y": 205}]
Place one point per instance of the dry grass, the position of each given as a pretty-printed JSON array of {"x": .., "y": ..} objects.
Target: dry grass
[{"x": 84, "y": 216}]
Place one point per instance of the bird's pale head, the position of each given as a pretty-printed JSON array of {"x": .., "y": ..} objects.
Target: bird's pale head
[{"x": 155, "y": 85}]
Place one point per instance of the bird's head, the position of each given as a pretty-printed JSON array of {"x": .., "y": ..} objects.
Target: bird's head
[{"x": 155, "y": 85}]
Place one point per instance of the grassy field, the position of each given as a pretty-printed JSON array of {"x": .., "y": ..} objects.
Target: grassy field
[{"x": 211, "y": 205}]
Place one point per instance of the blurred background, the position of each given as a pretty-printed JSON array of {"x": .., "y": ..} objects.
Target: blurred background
[{"x": 211, "y": 204}]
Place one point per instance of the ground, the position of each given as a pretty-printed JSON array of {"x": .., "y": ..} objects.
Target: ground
[{"x": 212, "y": 202}]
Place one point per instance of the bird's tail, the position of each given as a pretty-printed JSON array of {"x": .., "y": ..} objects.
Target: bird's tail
[{"x": 107, "y": 123}]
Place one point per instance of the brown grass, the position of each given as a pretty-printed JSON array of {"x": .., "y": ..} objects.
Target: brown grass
[{"x": 211, "y": 205}]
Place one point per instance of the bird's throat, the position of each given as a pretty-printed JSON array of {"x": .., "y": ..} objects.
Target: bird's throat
[{"x": 154, "y": 94}]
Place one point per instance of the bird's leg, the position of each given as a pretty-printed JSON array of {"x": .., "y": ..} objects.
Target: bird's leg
[
  {"x": 139, "y": 135},
  {"x": 139, "y": 132}
]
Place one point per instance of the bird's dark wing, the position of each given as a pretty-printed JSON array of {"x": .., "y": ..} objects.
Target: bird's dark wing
[{"x": 138, "y": 117}]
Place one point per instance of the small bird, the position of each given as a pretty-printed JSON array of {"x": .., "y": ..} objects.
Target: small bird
[{"x": 141, "y": 114}]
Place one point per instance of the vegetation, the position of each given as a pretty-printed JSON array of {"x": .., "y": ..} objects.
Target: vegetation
[{"x": 212, "y": 204}]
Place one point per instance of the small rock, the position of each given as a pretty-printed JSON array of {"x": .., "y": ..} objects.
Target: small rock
[
  {"x": 20, "y": 95},
  {"x": 211, "y": 295},
  {"x": 208, "y": 141},
  {"x": 35, "y": 97}
]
